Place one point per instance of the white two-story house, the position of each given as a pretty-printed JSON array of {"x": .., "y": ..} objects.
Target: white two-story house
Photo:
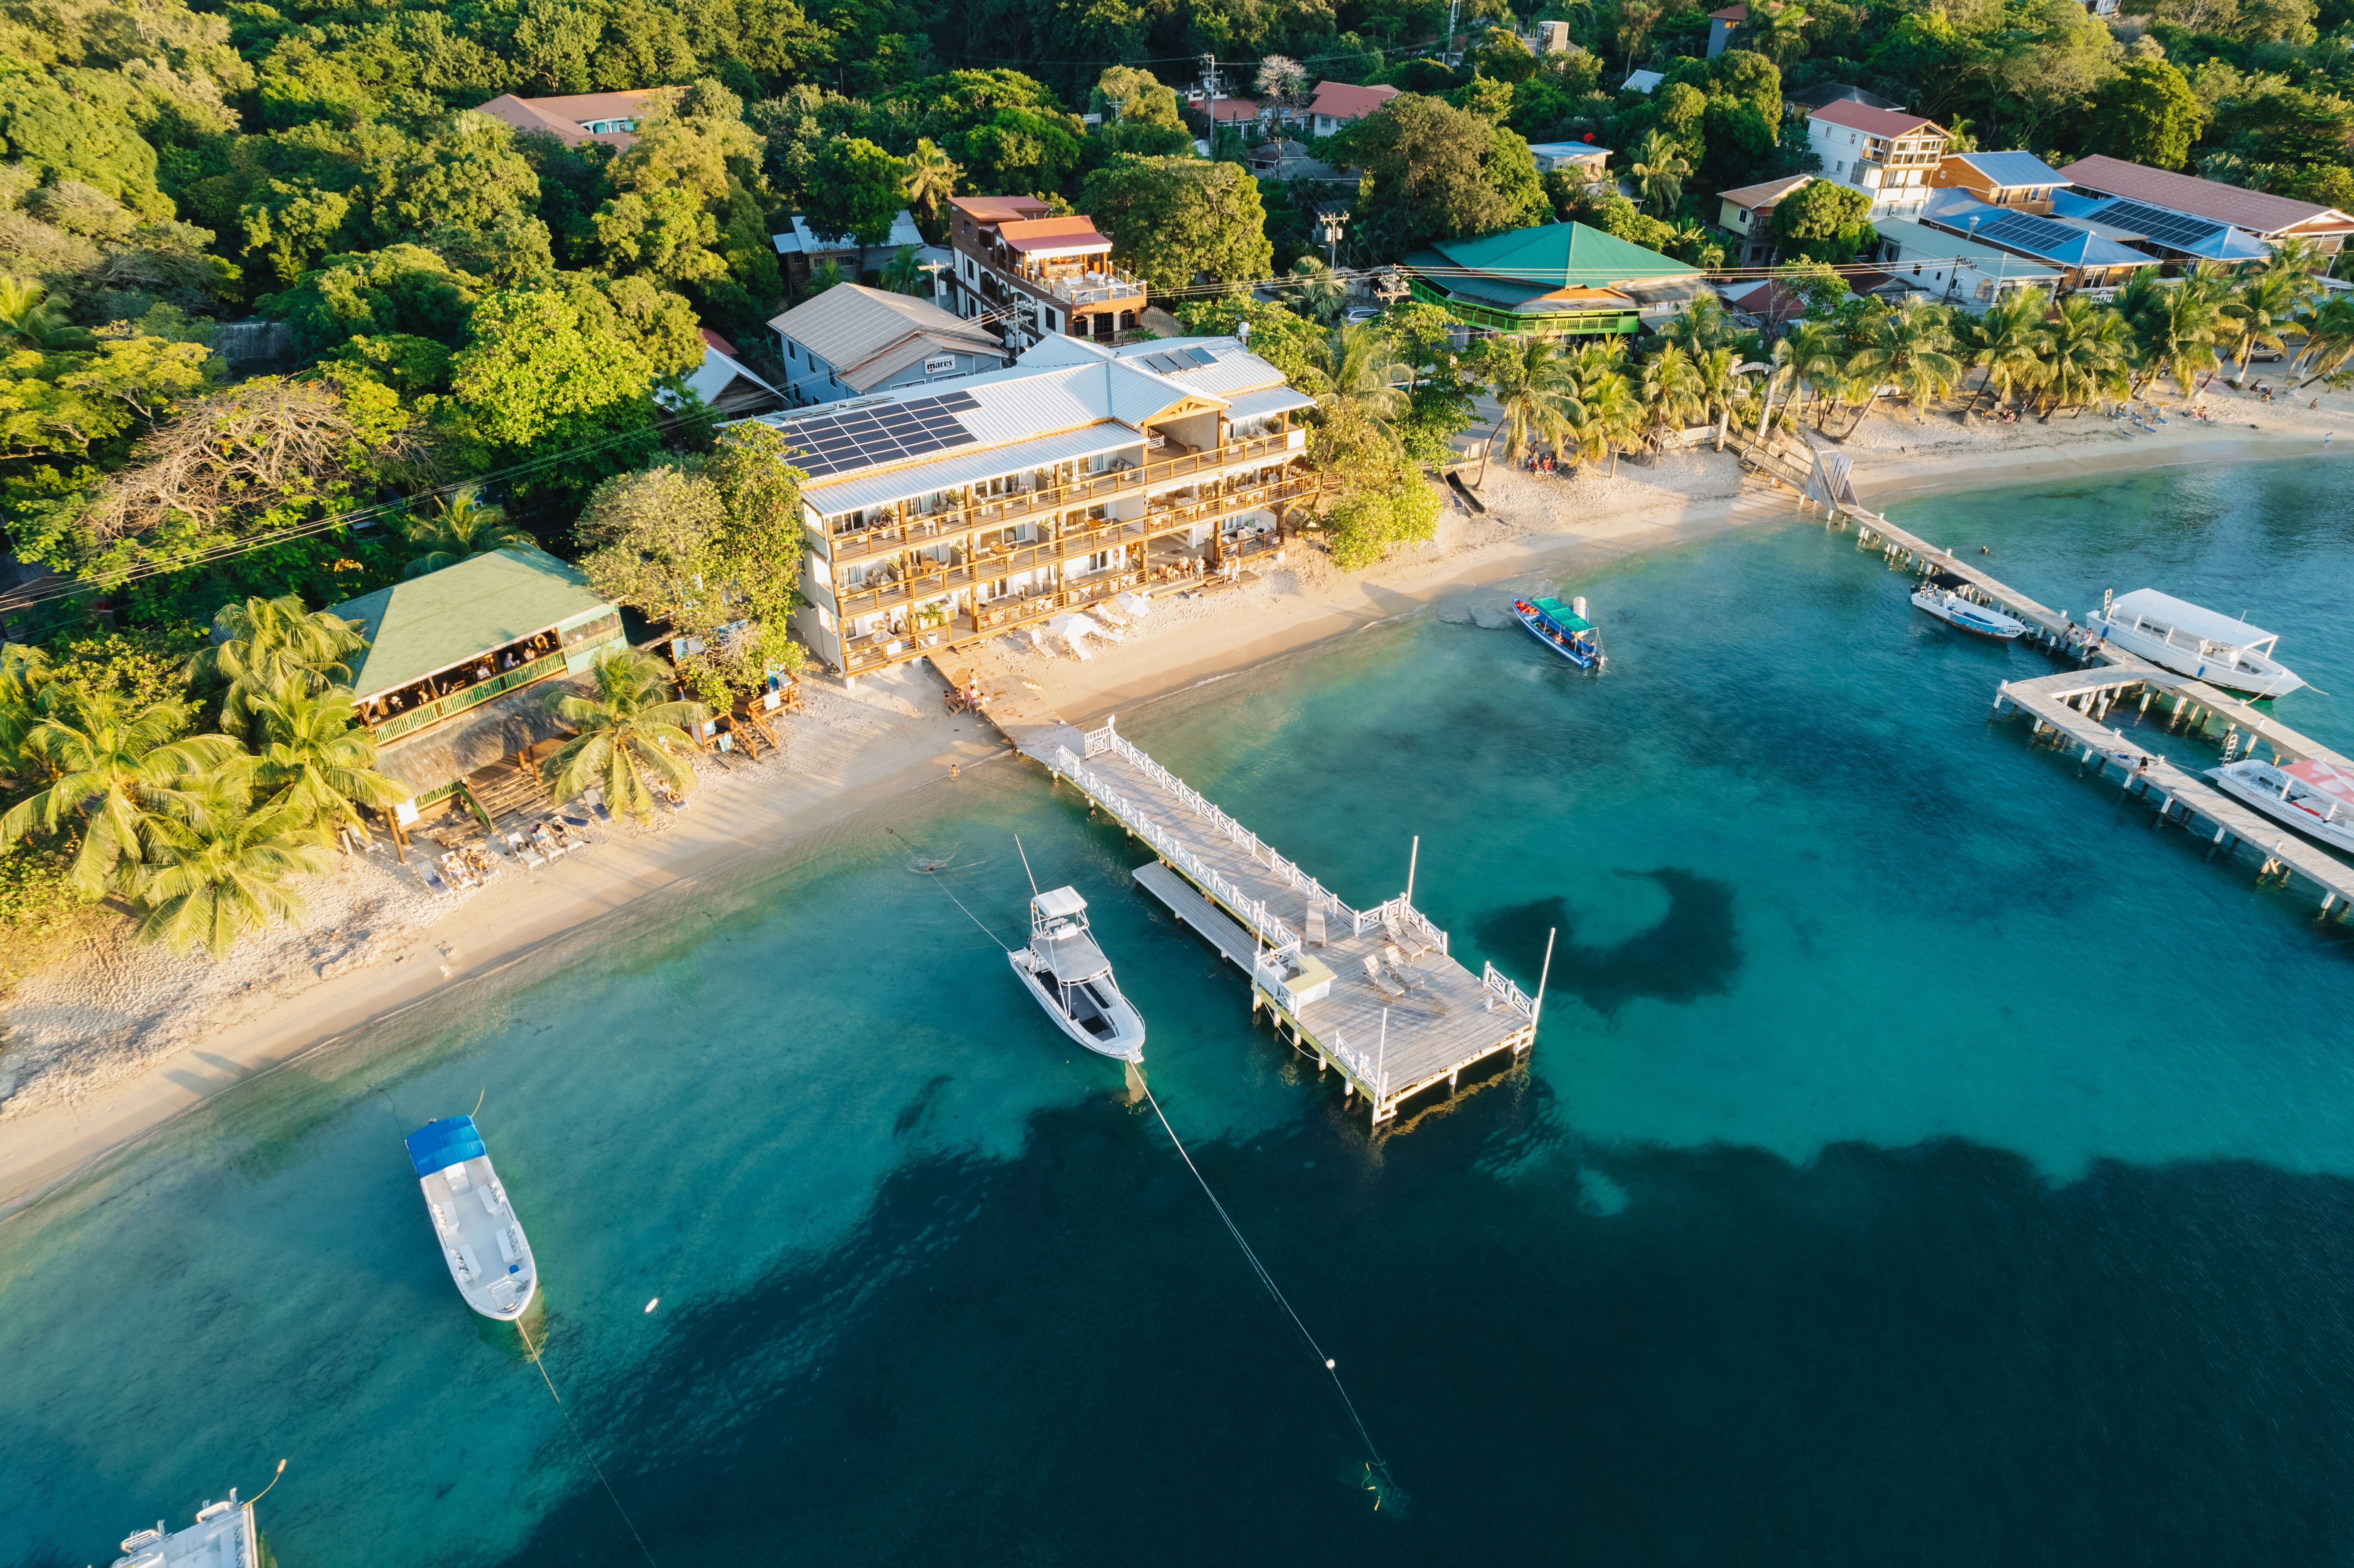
[{"x": 1889, "y": 156}]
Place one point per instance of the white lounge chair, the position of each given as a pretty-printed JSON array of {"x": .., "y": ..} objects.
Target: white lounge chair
[
  {"x": 490, "y": 1202},
  {"x": 523, "y": 851},
  {"x": 1316, "y": 928},
  {"x": 1381, "y": 980},
  {"x": 1400, "y": 934}
]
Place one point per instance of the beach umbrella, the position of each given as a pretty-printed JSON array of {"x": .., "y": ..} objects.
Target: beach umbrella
[
  {"x": 1134, "y": 603},
  {"x": 1074, "y": 630}
]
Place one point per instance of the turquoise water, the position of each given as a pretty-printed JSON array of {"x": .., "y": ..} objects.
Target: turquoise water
[{"x": 1926, "y": 1158}]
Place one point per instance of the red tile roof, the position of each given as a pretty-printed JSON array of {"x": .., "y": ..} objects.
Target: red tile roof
[
  {"x": 1871, "y": 121},
  {"x": 1342, "y": 100},
  {"x": 716, "y": 341},
  {"x": 1773, "y": 301},
  {"x": 1730, "y": 14},
  {"x": 2259, "y": 212},
  {"x": 1234, "y": 110}
]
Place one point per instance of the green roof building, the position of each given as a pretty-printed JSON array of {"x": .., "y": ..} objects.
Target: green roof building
[
  {"x": 440, "y": 685},
  {"x": 1560, "y": 278}
]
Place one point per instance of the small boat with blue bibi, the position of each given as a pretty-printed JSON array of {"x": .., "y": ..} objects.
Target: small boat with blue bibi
[{"x": 1563, "y": 629}]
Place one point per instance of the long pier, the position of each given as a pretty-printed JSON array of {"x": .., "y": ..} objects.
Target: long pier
[
  {"x": 2075, "y": 704},
  {"x": 1372, "y": 993}
]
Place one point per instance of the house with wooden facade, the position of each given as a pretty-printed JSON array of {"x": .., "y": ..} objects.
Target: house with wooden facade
[{"x": 941, "y": 516}]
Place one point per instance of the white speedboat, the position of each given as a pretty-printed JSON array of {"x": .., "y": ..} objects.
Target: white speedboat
[
  {"x": 2195, "y": 643},
  {"x": 1072, "y": 978},
  {"x": 1937, "y": 597},
  {"x": 480, "y": 1235},
  {"x": 2317, "y": 799}
]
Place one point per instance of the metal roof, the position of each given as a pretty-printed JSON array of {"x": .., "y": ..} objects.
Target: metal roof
[
  {"x": 1059, "y": 903},
  {"x": 2045, "y": 238},
  {"x": 1270, "y": 400},
  {"x": 430, "y": 623},
  {"x": 1919, "y": 242},
  {"x": 1558, "y": 256},
  {"x": 1871, "y": 121},
  {"x": 2184, "y": 616},
  {"x": 2258, "y": 212},
  {"x": 850, "y": 323},
  {"x": 2117, "y": 217},
  {"x": 2013, "y": 169}
]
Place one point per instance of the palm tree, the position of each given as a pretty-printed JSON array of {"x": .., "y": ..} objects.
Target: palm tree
[
  {"x": 117, "y": 770},
  {"x": 824, "y": 276},
  {"x": 1775, "y": 31},
  {"x": 1671, "y": 391},
  {"x": 1700, "y": 327},
  {"x": 1720, "y": 385},
  {"x": 2001, "y": 340},
  {"x": 1536, "y": 386},
  {"x": 629, "y": 726},
  {"x": 2178, "y": 334},
  {"x": 30, "y": 318},
  {"x": 1908, "y": 347},
  {"x": 316, "y": 758},
  {"x": 2083, "y": 354},
  {"x": 464, "y": 528},
  {"x": 2329, "y": 337},
  {"x": 1660, "y": 168},
  {"x": 24, "y": 682},
  {"x": 931, "y": 181},
  {"x": 266, "y": 643},
  {"x": 905, "y": 274},
  {"x": 225, "y": 873},
  {"x": 1361, "y": 366},
  {"x": 2261, "y": 306},
  {"x": 1816, "y": 357},
  {"x": 1319, "y": 294}
]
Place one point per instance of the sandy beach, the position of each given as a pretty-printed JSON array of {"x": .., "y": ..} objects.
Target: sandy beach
[{"x": 114, "y": 1040}]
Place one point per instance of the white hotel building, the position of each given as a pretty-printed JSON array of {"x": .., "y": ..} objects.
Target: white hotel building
[{"x": 941, "y": 515}]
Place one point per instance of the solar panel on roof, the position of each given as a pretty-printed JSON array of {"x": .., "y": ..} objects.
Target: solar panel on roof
[
  {"x": 1201, "y": 356},
  {"x": 840, "y": 443},
  {"x": 2177, "y": 230},
  {"x": 2030, "y": 233}
]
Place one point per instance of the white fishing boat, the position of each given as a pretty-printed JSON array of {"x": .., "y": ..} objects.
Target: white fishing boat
[
  {"x": 224, "y": 1536},
  {"x": 2317, "y": 799},
  {"x": 2197, "y": 642},
  {"x": 1072, "y": 978},
  {"x": 1937, "y": 597},
  {"x": 481, "y": 1237}
]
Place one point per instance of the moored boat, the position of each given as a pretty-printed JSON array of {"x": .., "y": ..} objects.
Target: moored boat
[
  {"x": 2195, "y": 642},
  {"x": 1072, "y": 980},
  {"x": 2315, "y": 797},
  {"x": 481, "y": 1239},
  {"x": 1938, "y": 596},
  {"x": 1563, "y": 629}
]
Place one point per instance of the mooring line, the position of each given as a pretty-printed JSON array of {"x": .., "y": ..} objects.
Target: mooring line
[
  {"x": 582, "y": 1443},
  {"x": 1331, "y": 1367},
  {"x": 953, "y": 899}
]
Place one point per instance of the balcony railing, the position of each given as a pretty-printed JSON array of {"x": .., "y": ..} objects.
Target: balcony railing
[
  {"x": 1096, "y": 288},
  {"x": 458, "y": 702},
  {"x": 997, "y": 511}
]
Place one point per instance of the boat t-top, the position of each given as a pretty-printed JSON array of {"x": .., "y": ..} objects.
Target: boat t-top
[
  {"x": 1072, "y": 978},
  {"x": 2315, "y": 797},
  {"x": 1939, "y": 594},
  {"x": 1561, "y": 628},
  {"x": 2197, "y": 642},
  {"x": 480, "y": 1235}
]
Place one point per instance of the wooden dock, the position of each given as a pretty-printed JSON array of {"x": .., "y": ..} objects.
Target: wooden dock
[
  {"x": 2075, "y": 704},
  {"x": 1372, "y": 993}
]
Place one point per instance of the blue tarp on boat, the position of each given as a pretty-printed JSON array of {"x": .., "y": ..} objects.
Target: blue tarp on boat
[{"x": 438, "y": 1145}]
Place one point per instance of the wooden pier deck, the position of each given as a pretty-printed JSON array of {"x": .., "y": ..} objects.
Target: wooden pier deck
[
  {"x": 2076, "y": 702},
  {"x": 1425, "y": 1020}
]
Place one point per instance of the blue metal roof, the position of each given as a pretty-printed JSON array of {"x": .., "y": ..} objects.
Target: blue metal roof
[
  {"x": 2013, "y": 168},
  {"x": 2187, "y": 233},
  {"x": 438, "y": 1145},
  {"x": 2045, "y": 238}
]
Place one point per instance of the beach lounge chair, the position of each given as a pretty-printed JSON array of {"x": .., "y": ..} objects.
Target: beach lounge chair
[
  {"x": 1399, "y": 934},
  {"x": 1380, "y": 980},
  {"x": 523, "y": 851},
  {"x": 1316, "y": 928},
  {"x": 431, "y": 878}
]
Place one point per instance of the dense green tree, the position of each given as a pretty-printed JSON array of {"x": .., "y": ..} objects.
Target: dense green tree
[
  {"x": 76, "y": 124},
  {"x": 401, "y": 289},
  {"x": 1824, "y": 221},
  {"x": 460, "y": 528},
  {"x": 860, "y": 189},
  {"x": 2147, "y": 113},
  {"x": 222, "y": 871},
  {"x": 114, "y": 768},
  {"x": 1432, "y": 170},
  {"x": 1172, "y": 220}
]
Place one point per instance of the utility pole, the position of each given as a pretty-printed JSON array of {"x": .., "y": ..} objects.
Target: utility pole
[
  {"x": 1446, "y": 50},
  {"x": 1210, "y": 90}
]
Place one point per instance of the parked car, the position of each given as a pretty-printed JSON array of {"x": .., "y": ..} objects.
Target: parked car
[{"x": 1357, "y": 313}]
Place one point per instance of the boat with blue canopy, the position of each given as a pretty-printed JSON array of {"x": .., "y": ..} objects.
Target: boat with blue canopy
[
  {"x": 481, "y": 1239},
  {"x": 1563, "y": 629}
]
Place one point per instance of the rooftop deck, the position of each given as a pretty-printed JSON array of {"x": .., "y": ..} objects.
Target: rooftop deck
[{"x": 1420, "y": 1023}]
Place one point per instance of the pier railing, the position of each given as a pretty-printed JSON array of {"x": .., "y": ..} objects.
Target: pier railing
[
  {"x": 1374, "y": 1076},
  {"x": 1265, "y": 922},
  {"x": 1407, "y": 915},
  {"x": 1511, "y": 996},
  {"x": 1108, "y": 739}
]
